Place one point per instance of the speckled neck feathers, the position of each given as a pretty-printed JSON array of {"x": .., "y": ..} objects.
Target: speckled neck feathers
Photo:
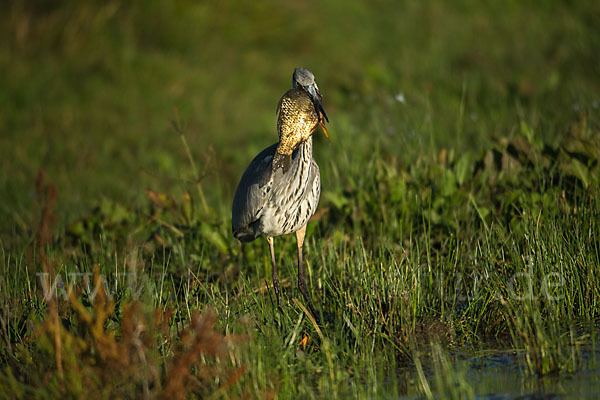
[{"x": 297, "y": 120}]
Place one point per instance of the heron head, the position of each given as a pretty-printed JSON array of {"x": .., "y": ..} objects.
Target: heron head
[{"x": 304, "y": 79}]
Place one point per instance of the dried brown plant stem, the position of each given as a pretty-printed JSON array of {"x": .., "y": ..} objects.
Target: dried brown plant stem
[{"x": 46, "y": 203}]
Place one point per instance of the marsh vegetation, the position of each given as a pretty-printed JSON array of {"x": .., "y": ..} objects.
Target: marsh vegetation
[{"x": 458, "y": 229}]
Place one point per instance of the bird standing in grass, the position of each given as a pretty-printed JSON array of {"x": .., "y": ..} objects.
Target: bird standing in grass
[{"x": 280, "y": 189}]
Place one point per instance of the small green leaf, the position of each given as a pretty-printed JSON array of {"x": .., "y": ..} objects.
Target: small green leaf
[
  {"x": 187, "y": 209},
  {"x": 529, "y": 134},
  {"x": 483, "y": 212},
  {"x": 338, "y": 200},
  {"x": 397, "y": 189},
  {"x": 527, "y": 131},
  {"x": 447, "y": 183},
  {"x": 463, "y": 167},
  {"x": 214, "y": 237},
  {"x": 76, "y": 228},
  {"x": 119, "y": 214},
  {"x": 581, "y": 172}
]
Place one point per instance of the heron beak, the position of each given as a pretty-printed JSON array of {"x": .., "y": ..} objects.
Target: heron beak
[
  {"x": 324, "y": 130},
  {"x": 319, "y": 105},
  {"x": 321, "y": 109}
]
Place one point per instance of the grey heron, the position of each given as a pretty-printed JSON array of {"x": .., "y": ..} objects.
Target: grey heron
[{"x": 280, "y": 189}]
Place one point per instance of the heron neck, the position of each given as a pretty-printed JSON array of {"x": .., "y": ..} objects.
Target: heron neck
[
  {"x": 306, "y": 149},
  {"x": 308, "y": 144}
]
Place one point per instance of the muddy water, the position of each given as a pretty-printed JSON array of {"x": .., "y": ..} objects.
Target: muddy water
[{"x": 496, "y": 375}]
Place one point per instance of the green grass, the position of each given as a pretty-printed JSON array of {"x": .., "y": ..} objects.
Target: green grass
[{"x": 459, "y": 207}]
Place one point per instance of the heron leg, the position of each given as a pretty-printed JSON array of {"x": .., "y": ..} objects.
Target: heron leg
[
  {"x": 301, "y": 278},
  {"x": 274, "y": 270}
]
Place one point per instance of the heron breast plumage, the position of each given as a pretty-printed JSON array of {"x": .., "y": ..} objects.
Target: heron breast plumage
[{"x": 276, "y": 202}]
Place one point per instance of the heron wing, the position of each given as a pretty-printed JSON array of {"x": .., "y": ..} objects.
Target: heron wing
[{"x": 251, "y": 195}]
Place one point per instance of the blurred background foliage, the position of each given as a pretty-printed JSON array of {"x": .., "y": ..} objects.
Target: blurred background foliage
[{"x": 88, "y": 88}]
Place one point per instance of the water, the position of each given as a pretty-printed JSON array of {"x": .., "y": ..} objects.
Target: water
[{"x": 497, "y": 375}]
